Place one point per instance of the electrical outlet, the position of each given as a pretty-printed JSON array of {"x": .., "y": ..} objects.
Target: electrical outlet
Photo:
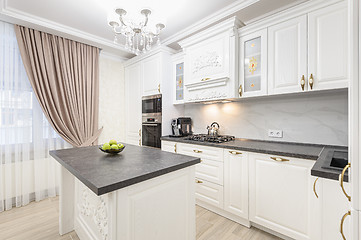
[{"x": 275, "y": 133}]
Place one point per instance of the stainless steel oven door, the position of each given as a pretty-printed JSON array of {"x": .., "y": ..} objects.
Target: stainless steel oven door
[{"x": 151, "y": 133}]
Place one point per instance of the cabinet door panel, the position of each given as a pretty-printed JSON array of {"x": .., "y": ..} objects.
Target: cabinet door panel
[
  {"x": 133, "y": 103},
  {"x": 236, "y": 183},
  {"x": 151, "y": 75},
  {"x": 287, "y": 59},
  {"x": 169, "y": 146},
  {"x": 280, "y": 195},
  {"x": 328, "y": 47},
  {"x": 253, "y": 64}
]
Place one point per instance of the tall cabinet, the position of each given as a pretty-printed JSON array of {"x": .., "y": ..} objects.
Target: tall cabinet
[{"x": 133, "y": 104}]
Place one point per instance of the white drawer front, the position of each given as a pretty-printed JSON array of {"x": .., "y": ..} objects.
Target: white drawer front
[
  {"x": 203, "y": 152},
  {"x": 209, "y": 193},
  {"x": 211, "y": 171}
]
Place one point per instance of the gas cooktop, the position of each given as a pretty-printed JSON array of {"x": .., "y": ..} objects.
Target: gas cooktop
[{"x": 209, "y": 138}]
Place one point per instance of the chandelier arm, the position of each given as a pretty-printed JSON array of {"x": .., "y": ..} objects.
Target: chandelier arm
[
  {"x": 122, "y": 21},
  {"x": 116, "y": 32},
  {"x": 146, "y": 21}
]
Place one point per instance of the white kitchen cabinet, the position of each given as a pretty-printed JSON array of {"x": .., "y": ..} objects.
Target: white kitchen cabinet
[
  {"x": 133, "y": 104},
  {"x": 334, "y": 205},
  {"x": 178, "y": 78},
  {"x": 253, "y": 64},
  {"x": 169, "y": 146},
  {"x": 209, "y": 193},
  {"x": 151, "y": 75},
  {"x": 287, "y": 56},
  {"x": 328, "y": 59},
  {"x": 211, "y": 166},
  {"x": 281, "y": 196},
  {"x": 211, "y": 69},
  {"x": 236, "y": 182}
]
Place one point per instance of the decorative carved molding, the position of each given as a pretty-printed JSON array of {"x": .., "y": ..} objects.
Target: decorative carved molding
[
  {"x": 207, "y": 95},
  {"x": 207, "y": 60},
  {"x": 96, "y": 211}
]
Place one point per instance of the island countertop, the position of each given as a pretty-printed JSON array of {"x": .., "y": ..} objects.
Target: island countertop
[{"x": 104, "y": 173}]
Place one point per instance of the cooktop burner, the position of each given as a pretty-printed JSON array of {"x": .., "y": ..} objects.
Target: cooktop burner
[{"x": 209, "y": 138}]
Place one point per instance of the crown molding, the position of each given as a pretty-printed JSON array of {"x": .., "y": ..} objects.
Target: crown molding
[
  {"x": 112, "y": 56},
  {"x": 19, "y": 17},
  {"x": 232, "y": 24},
  {"x": 155, "y": 50},
  {"x": 210, "y": 19},
  {"x": 286, "y": 14}
]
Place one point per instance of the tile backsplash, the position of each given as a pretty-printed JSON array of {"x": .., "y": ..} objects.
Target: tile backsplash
[{"x": 317, "y": 117}]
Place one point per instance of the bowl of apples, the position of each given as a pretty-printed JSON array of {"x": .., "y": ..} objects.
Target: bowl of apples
[{"x": 112, "y": 147}]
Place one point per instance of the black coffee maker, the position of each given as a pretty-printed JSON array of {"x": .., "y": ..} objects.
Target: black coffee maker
[{"x": 181, "y": 126}]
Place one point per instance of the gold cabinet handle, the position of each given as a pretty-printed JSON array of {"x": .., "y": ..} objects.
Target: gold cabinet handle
[
  {"x": 140, "y": 132},
  {"x": 199, "y": 181},
  {"x": 303, "y": 82},
  {"x": 204, "y": 79},
  {"x": 159, "y": 87},
  {"x": 235, "y": 152},
  {"x": 279, "y": 159},
  {"x": 197, "y": 151},
  {"x": 314, "y": 188},
  {"x": 341, "y": 180},
  {"x": 341, "y": 225},
  {"x": 175, "y": 147},
  {"x": 140, "y": 142},
  {"x": 311, "y": 82},
  {"x": 240, "y": 90}
]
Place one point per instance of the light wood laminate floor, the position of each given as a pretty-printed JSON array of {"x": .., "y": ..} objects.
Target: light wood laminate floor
[{"x": 39, "y": 221}]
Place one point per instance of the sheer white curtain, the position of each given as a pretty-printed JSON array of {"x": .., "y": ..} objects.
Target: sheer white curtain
[{"x": 27, "y": 172}]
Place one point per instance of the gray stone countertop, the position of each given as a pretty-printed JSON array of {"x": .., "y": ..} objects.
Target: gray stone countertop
[
  {"x": 104, "y": 173},
  {"x": 320, "y": 153}
]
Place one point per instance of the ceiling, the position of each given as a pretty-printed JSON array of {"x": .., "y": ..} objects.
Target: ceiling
[{"x": 86, "y": 20}]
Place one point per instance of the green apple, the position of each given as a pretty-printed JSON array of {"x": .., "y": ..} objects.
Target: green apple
[
  {"x": 113, "y": 142},
  {"x": 106, "y": 146},
  {"x": 120, "y": 145},
  {"x": 114, "y": 147}
]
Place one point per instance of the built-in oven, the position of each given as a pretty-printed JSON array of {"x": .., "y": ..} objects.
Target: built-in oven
[
  {"x": 152, "y": 104},
  {"x": 151, "y": 129}
]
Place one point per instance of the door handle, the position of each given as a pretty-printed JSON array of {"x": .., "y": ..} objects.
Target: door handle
[
  {"x": 197, "y": 151},
  {"x": 240, "y": 90},
  {"x": 279, "y": 159},
  {"x": 341, "y": 181},
  {"x": 314, "y": 187},
  {"x": 159, "y": 88},
  {"x": 199, "y": 181},
  {"x": 235, "y": 152},
  {"x": 175, "y": 147},
  {"x": 303, "y": 82},
  {"x": 311, "y": 81},
  {"x": 341, "y": 224}
]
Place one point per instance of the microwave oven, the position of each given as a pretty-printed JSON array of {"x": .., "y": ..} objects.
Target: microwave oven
[{"x": 152, "y": 104}]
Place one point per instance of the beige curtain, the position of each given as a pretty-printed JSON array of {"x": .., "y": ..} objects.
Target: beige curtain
[{"x": 64, "y": 75}]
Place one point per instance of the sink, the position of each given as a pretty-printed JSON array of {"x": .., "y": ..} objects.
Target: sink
[
  {"x": 339, "y": 159},
  {"x": 336, "y": 160}
]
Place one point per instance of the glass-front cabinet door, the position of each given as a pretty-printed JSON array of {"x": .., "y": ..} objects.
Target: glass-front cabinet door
[
  {"x": 253, "y": 64},
  {"x": 178, "y": 78}
]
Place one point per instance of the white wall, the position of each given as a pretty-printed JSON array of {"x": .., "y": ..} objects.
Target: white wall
[
  {"x": 319, "y": 118},
  {"x": 111, "y": 99}
]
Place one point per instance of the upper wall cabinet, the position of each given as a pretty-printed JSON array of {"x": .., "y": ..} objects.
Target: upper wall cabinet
[
  {"x": 152, "y": 75},
  {"x": 309, "y": 57},
  {"x": 178, "y": 78},
  {"x": 210, "y": 63},
  {"x": 328, "y": 58},
  {"x": 287, "y": 56},
  {"x": 253, "y": 64}
]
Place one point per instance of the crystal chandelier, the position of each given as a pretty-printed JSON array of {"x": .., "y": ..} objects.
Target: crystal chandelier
[{"x": 138, "y": 35}]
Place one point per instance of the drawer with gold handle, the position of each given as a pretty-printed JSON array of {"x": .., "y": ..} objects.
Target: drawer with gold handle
[
  {"x": 279, "y": 159},
  {"x": 197, "y": 151},
  {"x": 341, "y": 224},
  {"x": 341, "y": 178}
]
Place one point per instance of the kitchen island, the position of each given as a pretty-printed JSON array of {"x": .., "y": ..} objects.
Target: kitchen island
[{"x": 141, "y": 193}]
